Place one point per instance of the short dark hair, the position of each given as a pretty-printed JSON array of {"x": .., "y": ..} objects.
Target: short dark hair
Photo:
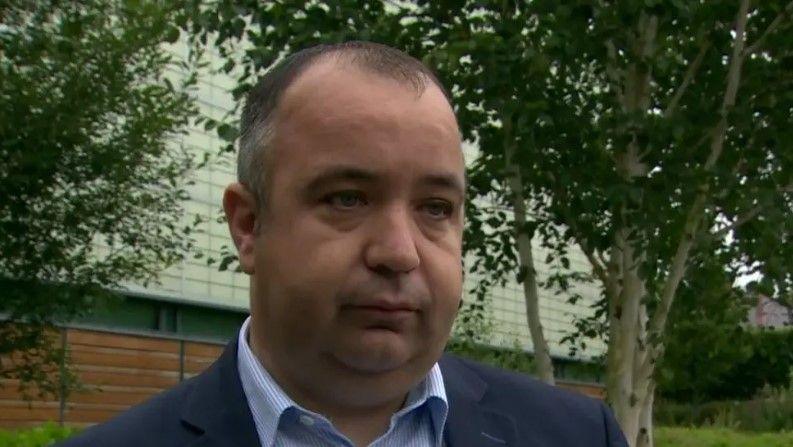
[{"x": 263, "y": 99}]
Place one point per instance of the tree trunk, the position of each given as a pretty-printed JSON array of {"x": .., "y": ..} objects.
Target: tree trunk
[
  {"x": 646, "y": 419},
  {"x": 629, "y": 385},
  {"x": 542, "y": 354}
]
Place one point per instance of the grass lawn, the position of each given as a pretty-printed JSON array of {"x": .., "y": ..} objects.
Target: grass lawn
[
  {"x": 719, "y": 437},
  {"x": 43, "y": 436}
]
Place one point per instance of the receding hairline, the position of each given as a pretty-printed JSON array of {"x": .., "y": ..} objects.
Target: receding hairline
[
  {"x": 324, "y": 64},
  {"x": 357, "y": 55}
]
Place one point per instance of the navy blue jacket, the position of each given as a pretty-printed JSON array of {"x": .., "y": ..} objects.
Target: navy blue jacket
[{"x": 488, "y": 407}]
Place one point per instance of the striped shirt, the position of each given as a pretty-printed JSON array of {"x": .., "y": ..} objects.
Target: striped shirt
[{"x": 280, "y": 422}]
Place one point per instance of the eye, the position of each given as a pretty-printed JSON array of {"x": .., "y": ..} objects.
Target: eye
[
  {"x": 345, "y": 200},
  {"x": 438, "y": 209}
]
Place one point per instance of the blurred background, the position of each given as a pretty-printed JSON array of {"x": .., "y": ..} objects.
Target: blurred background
[{"x": 628, "y": 225}]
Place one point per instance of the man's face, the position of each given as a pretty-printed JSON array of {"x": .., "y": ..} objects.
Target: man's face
[{"x": 357, "y": 271}]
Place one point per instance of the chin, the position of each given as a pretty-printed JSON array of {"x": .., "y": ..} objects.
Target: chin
[{"x": 376, "y": 356}]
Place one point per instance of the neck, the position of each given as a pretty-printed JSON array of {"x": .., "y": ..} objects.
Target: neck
[{"x": 361, "y": 424}]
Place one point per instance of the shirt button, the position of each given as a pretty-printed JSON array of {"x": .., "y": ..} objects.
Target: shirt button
[{"x": 306, "y": 420}]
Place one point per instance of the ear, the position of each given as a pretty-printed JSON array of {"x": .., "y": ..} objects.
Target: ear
[{"x": 241, "y": 212}]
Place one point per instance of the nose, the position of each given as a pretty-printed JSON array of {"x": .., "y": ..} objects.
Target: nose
[{"x": 392, "y": 245}]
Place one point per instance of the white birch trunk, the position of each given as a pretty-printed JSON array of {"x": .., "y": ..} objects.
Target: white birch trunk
[
  {"x": 645, "y": 437},
  {"x": 626, "y": 388},
  {"x": 542, "y": 354}
]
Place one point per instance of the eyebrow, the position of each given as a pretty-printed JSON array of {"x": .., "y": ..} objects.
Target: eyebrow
[
  {"x": 341, "y": 173},
  {"x": 349, "y": 173},
  {"x": 445, "y": 181}
]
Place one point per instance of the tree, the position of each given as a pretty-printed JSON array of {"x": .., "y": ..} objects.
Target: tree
[
  {"x": 663, "y": 156},
  {"x": 637, "y": 133},
  {"x": 640, "y": 149},
  {"x": 91, "y": 182}
]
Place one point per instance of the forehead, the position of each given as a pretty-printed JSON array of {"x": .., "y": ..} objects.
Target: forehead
[
  {"x": 338, "y": 113},
  {"x": 337, "y": 90}
]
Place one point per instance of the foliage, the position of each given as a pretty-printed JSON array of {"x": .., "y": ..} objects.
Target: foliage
[
  {"x": 770, "y": 413},
  {"x": 719, "y": 437},
  {"x": 91, "y": 183},
  {"x": 770, "y": 409},
  {"x": 636, "y": 148},
  {"x": 706, "y": 340},
  {"x": 711, "y": 354},
  {"x": 473, "y": 331},
  {"x": 40, "y": 436},
  {"x": 770, "y": 364},
  {"x": 514, "y": 359}
]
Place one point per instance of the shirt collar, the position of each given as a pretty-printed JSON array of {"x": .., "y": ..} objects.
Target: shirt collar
[
  {"x": 268, "y": 401},
  {"x": 432, "y": 393}
]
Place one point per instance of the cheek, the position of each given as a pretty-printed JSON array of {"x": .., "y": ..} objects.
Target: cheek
[
  {"x": 300, "y": 277},
  {"x": 445, "y": 277}
]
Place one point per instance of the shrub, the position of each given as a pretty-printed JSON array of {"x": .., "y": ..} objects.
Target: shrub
[
  {"x": 745, "y": 362},
  {"x": 771, "y": 410},
  {"x": 517, "y": 359},
  {"x": 512, "y": 359},
  {"x": 41, "y": 436}
]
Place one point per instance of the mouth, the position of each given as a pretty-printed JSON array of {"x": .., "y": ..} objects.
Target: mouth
[
  {"x": 389, "y": 317},
  {"x": 381, "y": 310},
  {"x": 385, "y": 305}
]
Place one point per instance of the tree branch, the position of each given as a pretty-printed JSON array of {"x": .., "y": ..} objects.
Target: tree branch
[
  {"x": 597, "y": 267},
  {"x": 611, "y": 70},
  {"x": 748, "y": 215},
  {"x": 602, "y": 259},
  {"x": 692, "y": 70},
  {"x": 733, "y": 81},
  {"x": 676, "y": 271},
  {"x": 694, "y": 216},
  {"x": 598, "y": 263},
  {"x": 740, "y": 220},
  {"x": 523, "y": 241},
  {"x": 781, "y": 17}
]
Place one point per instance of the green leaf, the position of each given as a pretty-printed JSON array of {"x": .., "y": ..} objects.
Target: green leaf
[
  {"x": 227, "y": 132},
  {"x": 172, "y": 34}
]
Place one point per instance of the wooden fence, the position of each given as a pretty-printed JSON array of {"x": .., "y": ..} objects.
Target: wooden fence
[
  {"x": 120, "y": 370},
  {"x": 116, "y": 371}
]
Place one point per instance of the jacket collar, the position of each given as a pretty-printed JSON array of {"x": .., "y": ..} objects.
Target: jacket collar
[
  {"x": 217, "y": 408},
  {"x": 471, "y": 421}
]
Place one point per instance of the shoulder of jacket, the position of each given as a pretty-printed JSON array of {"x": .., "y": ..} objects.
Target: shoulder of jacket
[
  {"x": 519, "y": 386},
  {"x": 141, "y": 424}
]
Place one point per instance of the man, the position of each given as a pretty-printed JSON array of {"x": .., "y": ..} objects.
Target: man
[{"x": 348, "y": 217}]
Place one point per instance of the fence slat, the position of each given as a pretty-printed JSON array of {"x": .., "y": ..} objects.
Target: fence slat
[{"x": 111, "y": 340}]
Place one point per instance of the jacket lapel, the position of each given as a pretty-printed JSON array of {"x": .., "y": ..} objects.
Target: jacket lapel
[
  {"x": 217, "y": 407},
  {"x": 470, "y": 421}
]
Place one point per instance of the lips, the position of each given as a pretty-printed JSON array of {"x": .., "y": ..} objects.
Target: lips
[
  {"x": 390, "y": 315},
  {"x": 386, "y": 306}
]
